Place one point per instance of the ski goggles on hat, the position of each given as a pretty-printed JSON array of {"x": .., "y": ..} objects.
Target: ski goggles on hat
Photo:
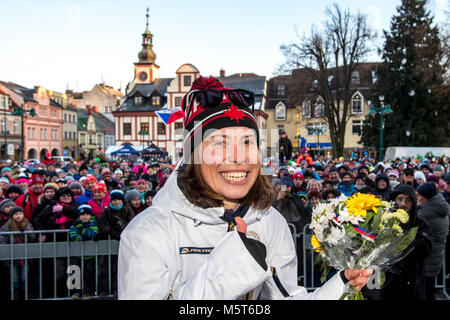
[{"x": 209, "y": 98}]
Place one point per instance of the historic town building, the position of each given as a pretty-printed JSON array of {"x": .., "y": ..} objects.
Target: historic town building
[
  {"x": 293, "y": 106},
  {"x": 41, "y": 119}
]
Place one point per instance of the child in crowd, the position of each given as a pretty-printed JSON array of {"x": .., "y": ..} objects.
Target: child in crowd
[
  {"x": 5, "y": 207},
  {"x": 142, "y": 187},
  {"x": 76, "y": 188},
  {"x": 133, "y": 199},
  {"x": 85, "y": 228},
  {"x": 148, "y": 198},
  {"x": 112, "y": 222},
  {"x": 18, "y": 269},
  {"x": 100, "y": 200}
]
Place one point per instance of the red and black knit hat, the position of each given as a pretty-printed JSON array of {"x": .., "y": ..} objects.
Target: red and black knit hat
[{"x": 200, "y": 120}]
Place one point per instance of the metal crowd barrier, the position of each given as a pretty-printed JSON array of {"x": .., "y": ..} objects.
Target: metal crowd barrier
[
  {"x": 309, "y": 273},
  {"x": 48, "y": 256},
  {"x": 40, "y": 258}
]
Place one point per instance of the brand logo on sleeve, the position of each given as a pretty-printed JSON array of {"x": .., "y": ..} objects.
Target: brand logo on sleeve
[{"x": 195, "y": 250}]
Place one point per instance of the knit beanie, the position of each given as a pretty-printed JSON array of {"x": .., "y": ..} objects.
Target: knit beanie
[
  {"x": 427, "y": 190},
  {"x": 117, "y": 195},
  {"x": 84, "y": 209},
  {"x": 419, "y": 175},
  {"x": 432, "y": 178},
  {"x": 36, "y": 178},
  {"x": 51, "y": 185},
  {"x": 131, "y": 194},
  {"x": 286, "y": 181},
  {"x": 15, "y": 210},
  {"x": 5, "y": 203},
  {"x": 227, "y": 108}
]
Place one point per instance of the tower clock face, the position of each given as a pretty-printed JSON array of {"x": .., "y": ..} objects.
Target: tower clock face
[{"x": 143, "y": 76}]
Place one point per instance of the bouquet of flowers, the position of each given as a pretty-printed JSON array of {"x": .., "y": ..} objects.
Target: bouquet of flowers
[{"x": 359, "y": 232}]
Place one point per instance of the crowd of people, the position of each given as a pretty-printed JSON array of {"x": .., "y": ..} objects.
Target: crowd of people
[
  {"x": 422, "y": 188},
  {"x": 92, "y": 200},
  {"x": 96, "y": 200}
]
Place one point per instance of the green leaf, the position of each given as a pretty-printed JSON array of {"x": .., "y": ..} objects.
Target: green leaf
[
  {"x": 375, "y": 226},
  {"x": 406, "y": 241}
]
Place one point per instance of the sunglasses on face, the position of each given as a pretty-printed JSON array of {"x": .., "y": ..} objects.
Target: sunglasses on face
[{"x": 209, "y": 98}]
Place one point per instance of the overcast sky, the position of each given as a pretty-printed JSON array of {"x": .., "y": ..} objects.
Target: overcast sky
[{"x": 80, "y": 43}]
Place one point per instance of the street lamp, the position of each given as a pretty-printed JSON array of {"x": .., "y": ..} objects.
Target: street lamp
[
  {"x": 143, "y": 133},
  {"x": 20, "y": 111},
  {"x": 381, "y": 110},
  {"x": 317, "y": 131}
]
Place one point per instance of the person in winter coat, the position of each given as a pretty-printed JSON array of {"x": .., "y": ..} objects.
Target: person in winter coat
[
  {"x": 220, "y": 239},
  {"x": 17, "y": 222},
  {"x": 382, "y": 186},
  {"x": 45, "y": 199},
  {"x": 148, "y": 198},
  {"x": 133, "y": 199},
  {"x": 84, "y": 228},
  {"x": 13, "y": 192},
  {"x": 112, "y": 222},
  {"x": 285, "y": 203},
  {"x": 89, "y": 183},
  {"x": 405, "y": 280},
  {"x": 435, "y": 210},
  {"x": 28, "y": 201},
  {"x": 139, "y": 168},
  {"x": 100, "y": 201},
  {"x": 284, "y": 148},
  {"x": 58, "y": 215},
  {"x": 5, "y": 206},
  {"x": 346, "y": 185},
  {"x": 76, "y": 188}
]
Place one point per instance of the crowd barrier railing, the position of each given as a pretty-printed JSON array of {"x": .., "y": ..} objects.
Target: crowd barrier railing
[{"x": 52, "y": 271}]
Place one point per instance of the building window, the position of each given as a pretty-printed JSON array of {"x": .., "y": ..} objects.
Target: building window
[
  {"x": 65, "y": 117},
  {"x": 312, "y": 127},
  {"x": 280, "y": 111},
  {"x": 357, "y": 126},
  {"x": 33, "y": 131},
  {"x": 355, "y": 77},
  {"x": 41, "y": 134},
  {"x": 178, "y": 126},
  {"x": 3, "y": 125},
  {"x": 178, "y": 102},
  {"x": 45, "y": 133},
  {"x": 307, "y": 109},
  {"x": 320, "y": 107},
  {"x": 187, "y": 81},
  {"x": 56, "y": 134},
  {"x": 281, "y": 90},
  {"x": 156, "y": 100},
  {"x": 144, "y": 128},
  {"x": 3, "y": 100},
  {"x": 99, "y": 139},
  {"x": 90, "y": 139},
  {"x": 374, "y": 76},
  {"x": 65, "y": 135},
  {"x": 127, "y": 128},
  {"x": 161, "y": 128},
  {"x": 138, "y": 101},
  {"x": 357, "y": 103},
  {"x": 29, "y": 132}
]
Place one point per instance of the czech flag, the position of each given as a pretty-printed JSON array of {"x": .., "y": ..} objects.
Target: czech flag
[{"x": 170, "y": 115}]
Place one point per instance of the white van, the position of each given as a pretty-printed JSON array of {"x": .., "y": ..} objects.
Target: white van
[
  {"x": 411, "y": 152},
  {"x": 66, "y": 160}
]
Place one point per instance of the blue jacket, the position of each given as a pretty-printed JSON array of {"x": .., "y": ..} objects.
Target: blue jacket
[
  {"x": 347, "y": 190},
  {"x": 84, "y": 198}
]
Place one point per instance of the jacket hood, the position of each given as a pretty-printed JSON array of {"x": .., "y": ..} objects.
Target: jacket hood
[
  {"x": 411, "y": 192},
  {"x": 382, "y": 176},
  {"x": 171, "y": 198}
]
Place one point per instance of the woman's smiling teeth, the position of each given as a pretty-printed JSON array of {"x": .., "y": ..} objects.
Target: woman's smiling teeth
[{"x": 234, "y": 176}]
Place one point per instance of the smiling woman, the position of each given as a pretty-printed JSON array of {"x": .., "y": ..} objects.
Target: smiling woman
[{"x": 193, "y": 243}]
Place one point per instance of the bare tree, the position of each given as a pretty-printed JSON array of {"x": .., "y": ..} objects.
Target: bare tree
[{"x": 331, "y": 55}]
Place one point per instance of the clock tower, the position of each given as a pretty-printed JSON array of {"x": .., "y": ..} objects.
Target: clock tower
[{"x": 146, "y": 71}]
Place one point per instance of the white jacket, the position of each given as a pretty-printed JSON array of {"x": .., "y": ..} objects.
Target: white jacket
[{"x": 177, "y": 250}]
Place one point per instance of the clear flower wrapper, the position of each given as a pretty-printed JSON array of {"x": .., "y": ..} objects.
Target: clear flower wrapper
[{"x": 360, "y": 232}]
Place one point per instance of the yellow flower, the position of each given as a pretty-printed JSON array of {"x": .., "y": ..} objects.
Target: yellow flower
[
  {"x": 360, "y": 203},
  {"x": 317, "y": 246},
  {"x": 398, "y": 228},
  {"x": 401, "y": 215}
]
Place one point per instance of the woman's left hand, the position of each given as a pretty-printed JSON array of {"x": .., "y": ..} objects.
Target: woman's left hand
[{"x": 358, "y": 278}]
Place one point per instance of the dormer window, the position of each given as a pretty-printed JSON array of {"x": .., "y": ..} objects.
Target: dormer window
[
  {"x": 307, "y": 109},
  {"x": 374, "y": 76},
  {"x": 138, "y": 101},
  {"x": 187, "y": 81},
  {"x": 156, "y": 100},
  {"x": 280, "y": 111},
  {"x": 320, "y": 107},
  {"x": 357, "y": 103}
]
